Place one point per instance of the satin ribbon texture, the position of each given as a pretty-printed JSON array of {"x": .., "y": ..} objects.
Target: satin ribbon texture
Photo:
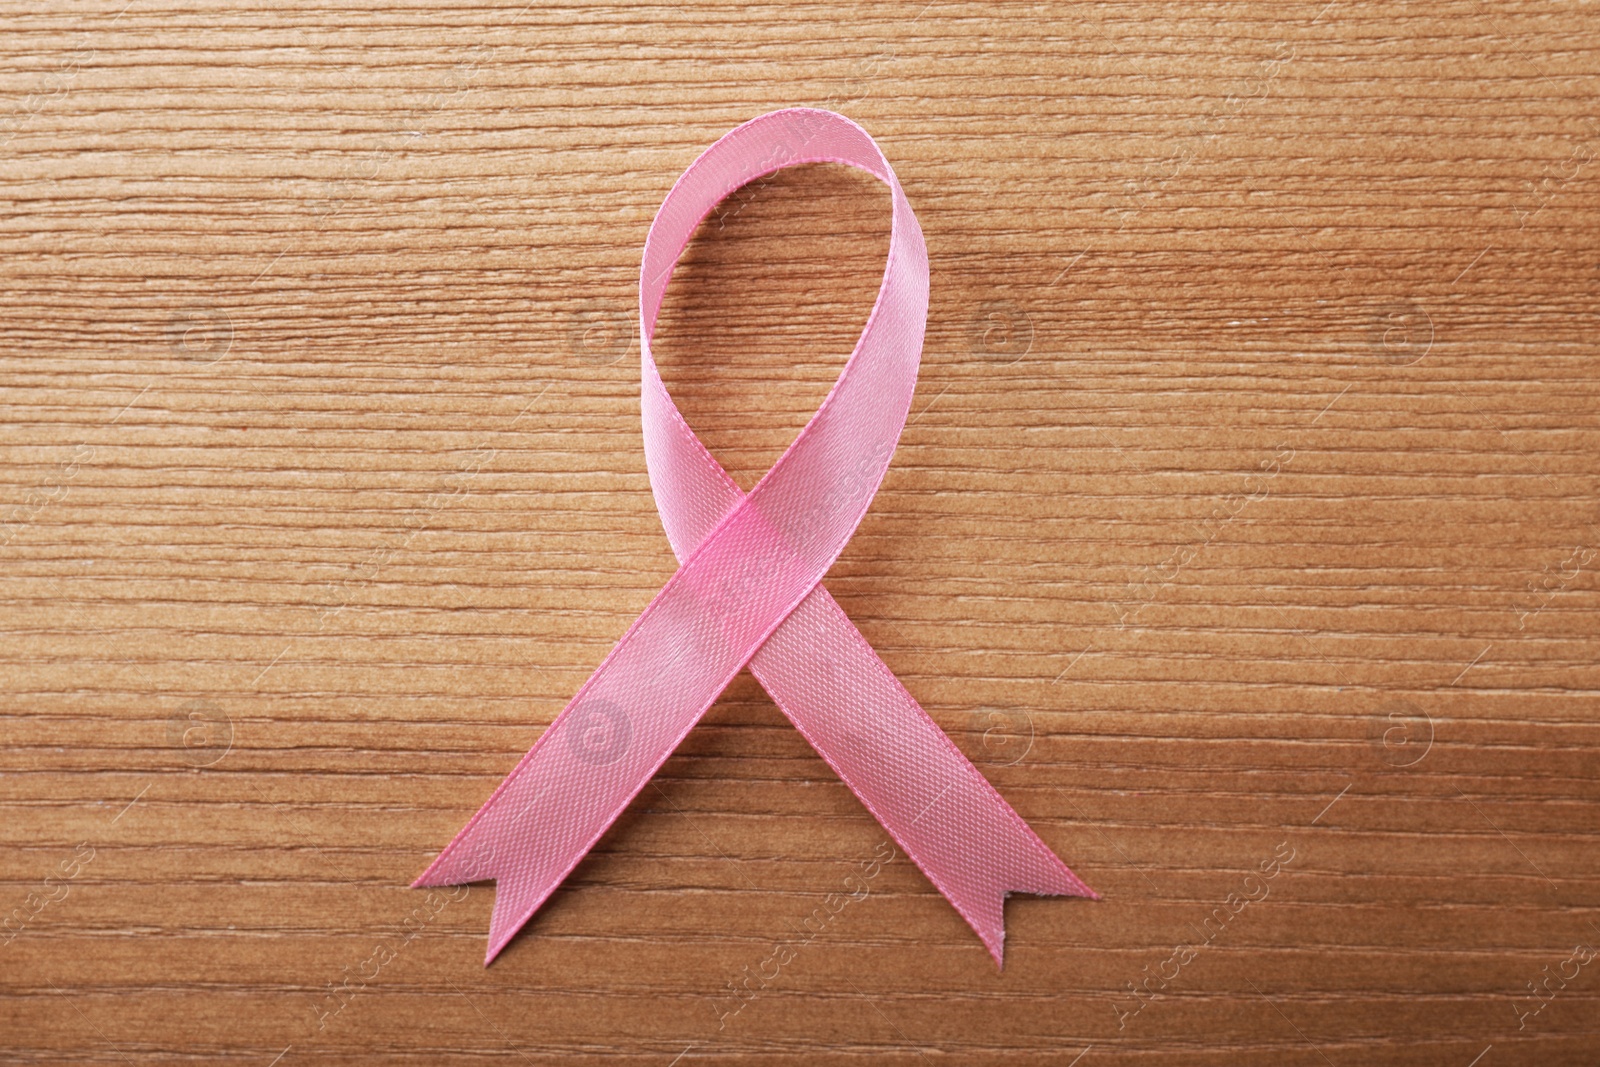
[{"x": 747, "y": 592}]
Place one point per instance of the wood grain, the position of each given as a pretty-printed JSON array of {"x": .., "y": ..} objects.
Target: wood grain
[{"x": 1246, "y": 521}]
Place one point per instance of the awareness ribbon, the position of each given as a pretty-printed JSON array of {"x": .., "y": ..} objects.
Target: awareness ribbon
[{"x": 747, "y": 592}]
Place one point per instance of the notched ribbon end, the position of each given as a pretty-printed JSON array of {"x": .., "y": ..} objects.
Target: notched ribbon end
[
  {"x": 1045, "y": 876},
  {"x": 446, "y": 869},
  {"x": 518, "y": 893},
  {"x": 994, "y": 937}
]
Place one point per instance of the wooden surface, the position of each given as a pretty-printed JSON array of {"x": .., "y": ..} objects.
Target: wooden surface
[{"x": 1246, "y": 522}]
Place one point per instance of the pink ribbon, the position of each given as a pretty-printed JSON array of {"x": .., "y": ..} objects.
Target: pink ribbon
[{"x": 748, "y": 591}]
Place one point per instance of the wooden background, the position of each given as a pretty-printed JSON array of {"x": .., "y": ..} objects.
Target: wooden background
[{"x": 1247, "y": 515}]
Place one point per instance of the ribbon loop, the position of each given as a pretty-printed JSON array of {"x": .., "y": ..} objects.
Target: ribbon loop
[{"x": 748, "y": 592}]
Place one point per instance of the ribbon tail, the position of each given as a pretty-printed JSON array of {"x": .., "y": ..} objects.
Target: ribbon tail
[
  {"x": 846, "y": 702},
  {"x": 1016, "y": 861},
  {"x": 980, "y": 853},
  {"x": 519, "y": 889}
]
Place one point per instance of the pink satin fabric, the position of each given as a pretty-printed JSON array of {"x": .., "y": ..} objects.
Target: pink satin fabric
[{"x": 747, "y": 592}]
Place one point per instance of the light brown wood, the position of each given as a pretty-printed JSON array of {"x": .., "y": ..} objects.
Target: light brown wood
[{"x": 1246, "y": 524}]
